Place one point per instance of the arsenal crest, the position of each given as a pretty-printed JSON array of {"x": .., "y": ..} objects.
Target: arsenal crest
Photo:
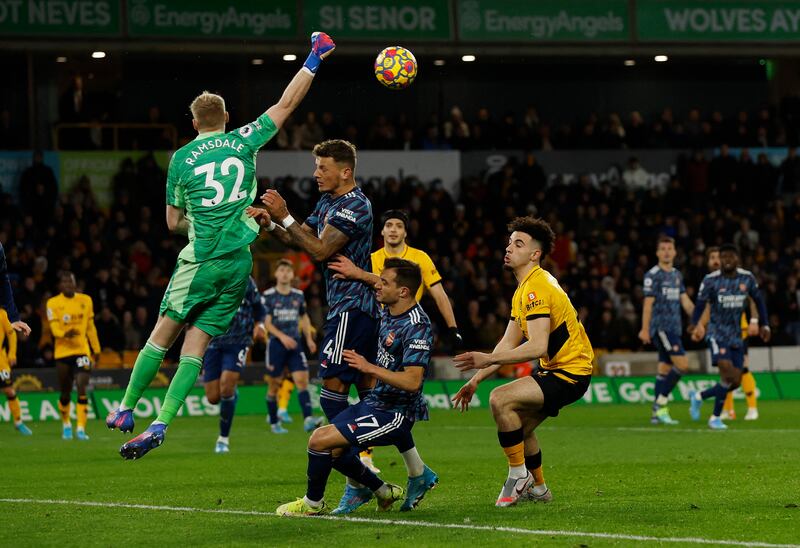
[
  {"x": 390, "y": 339},
  {"x": 352, "y": 427}
]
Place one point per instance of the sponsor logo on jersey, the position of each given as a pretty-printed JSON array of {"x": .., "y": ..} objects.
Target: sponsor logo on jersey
[
  {"x": 246, "y": 130},
  {"x": 531, "y": 296},
  {"x": 419, "y": 344}
]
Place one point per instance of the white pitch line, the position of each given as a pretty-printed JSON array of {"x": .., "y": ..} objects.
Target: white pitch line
[
  {"x": 667, "y": 429},
  {"x": 409, "y": 523}
]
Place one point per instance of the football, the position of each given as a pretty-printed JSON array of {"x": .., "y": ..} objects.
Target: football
[{"x": 396, "y": 67}]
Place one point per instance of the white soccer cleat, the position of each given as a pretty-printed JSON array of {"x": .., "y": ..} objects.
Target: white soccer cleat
[
  {"x": 513, "y": 490},
  {"x": 752, "y": 414}
]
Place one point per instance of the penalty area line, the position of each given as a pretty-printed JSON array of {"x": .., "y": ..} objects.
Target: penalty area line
[{"x": 406, "y": 523}]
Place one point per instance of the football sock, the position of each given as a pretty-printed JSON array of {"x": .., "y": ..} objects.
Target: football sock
[
  {"x": 13, "y": 406},
  {"x": 227, "y": 407},
  {"x": 671, "y": 380},
  {"x": 82, "y": 411},
  {"x": 332, "y": 403},
  {"x": 534, "y": 465},
  {"x": 383, "y": 491},
  {"x": 144, "y": 371},
  {"x": 728, "y": 405},
  {"x": 719, "y": 397},
  {"x": 183, "y": 381},
  {"x": 659, "y": 389},
  {"x": 414, "y": 463},
  {"x": 285, "y": 393},
  {"x": 514, "y": 448},
  {"x": 349, "y": 465},
  {"x": 272, "y": 409},
  {"x": 749, "y": 389},
  {"x": 64, "y": 410},
  {"x": 319, "y": 468},
  {"x": 305, "y": 402},
  {"x": 716, "y": 390}
]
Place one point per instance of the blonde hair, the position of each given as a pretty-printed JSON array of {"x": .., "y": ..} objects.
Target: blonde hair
[{"x": 209, "y": 110}]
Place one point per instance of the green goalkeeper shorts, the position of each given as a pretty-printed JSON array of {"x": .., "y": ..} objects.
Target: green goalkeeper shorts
[{"x": 207, "y": 294}]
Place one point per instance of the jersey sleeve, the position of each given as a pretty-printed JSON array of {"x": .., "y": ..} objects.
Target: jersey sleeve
[
  {"x": 430, "y": 276},
  {"x": 682, "y": 284},
  {"x": 703, "y": 296},
  {"x": 649, "y": 285},
  {"x": 174, "y": 187},
  {"x": 257, "y": 133},
  {"x": 302, "y": 309},
  {"x": 417, "y": 346},
  {"x": 267, "y": 303},
  {"x": 91, "y": 329},
  {"x": 312, "y": 221},
  {"x": 256, "y": 302},
  {"x": 537, "y": 302},
  {"x": 352, "y": 217},
  {"x": 55, "y": 320}
]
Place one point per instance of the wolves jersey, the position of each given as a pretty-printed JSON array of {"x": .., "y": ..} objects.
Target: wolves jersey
[
  {"x": 286, "y": 310},
  {"x": 666, "y": 287},
  {"x": 351, "y": 214},
  {"x": 403, "y": 341},
  {"x": 214, "y": 179},
  {"x": 76, "y": 312},
  {"x": 430, "y": 276},
  {"x": 568, "y": 347},
  {"x": 728, "y": 299},
  {"x": 240, "y": 332}
]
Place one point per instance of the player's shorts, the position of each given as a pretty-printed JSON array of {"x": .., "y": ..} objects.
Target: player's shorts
[
  {"x": 364, "y": 426},
  {"x": 6, "y": 379},
  {"x": 207, "y": 294},
  {"x": 77, "y": 363},
  {"x": 558, "y": 392},
  {"x": 351, "y": 330},
  {"x": 279, "y": 358},
  {"x": 223, "y": 358},
  {"x": 668, "y": 345},
  {"x": 733, "y": 354}
]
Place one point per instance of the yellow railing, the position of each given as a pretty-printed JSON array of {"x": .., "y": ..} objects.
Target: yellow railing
[{"x": 170, "y": 130}]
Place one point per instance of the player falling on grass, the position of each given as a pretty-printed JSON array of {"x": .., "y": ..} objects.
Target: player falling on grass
[
  {"x": 749, "y": 329},
  {"x": 71, "y": 318},
  {"x": 210, "y": 183},
  {"x": 286, "y": 319},
  {"x": 8, "y": 359},
  {"x": 664, "y": 295},
  {"x": 394, "y": 232},
  {"x": 226, "y": 356},
  {"x": 341, "y": 223},
  {"x": 9, "y": 311},
  {"x": 725, "y": 293},
  {"x": 544, "y": 326},
  {"x": 387, "y": 415}
]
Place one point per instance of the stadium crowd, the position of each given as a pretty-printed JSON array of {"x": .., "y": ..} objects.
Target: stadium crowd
[{"x": 606, "y": 239}]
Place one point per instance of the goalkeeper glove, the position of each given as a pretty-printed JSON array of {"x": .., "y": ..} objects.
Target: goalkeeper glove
[
  {"x": 456, "y": 341},
  {"x": 321, "y": 46}
]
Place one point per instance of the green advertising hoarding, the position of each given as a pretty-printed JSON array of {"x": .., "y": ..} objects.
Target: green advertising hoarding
[
  {"x": 543, "y": 20},
  {"x": 64, "y": 17},
  {"x": 718, "y": 21},
  {"x": 254, "y": 19},
  {"x": 359, "y": 19}
]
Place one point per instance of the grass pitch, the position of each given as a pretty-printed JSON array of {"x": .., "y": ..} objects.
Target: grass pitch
[{"x": 616, "y": 479}]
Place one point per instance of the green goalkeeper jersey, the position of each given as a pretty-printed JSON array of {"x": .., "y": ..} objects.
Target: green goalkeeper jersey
[{"x": 214, "y": 179}]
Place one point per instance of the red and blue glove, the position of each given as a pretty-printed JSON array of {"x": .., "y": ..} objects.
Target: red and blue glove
[{"x": 321, "y": 46}]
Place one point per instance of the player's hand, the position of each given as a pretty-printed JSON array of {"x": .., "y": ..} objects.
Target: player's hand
[
  {"x": 95, "y": 358},
  {"x": 644, "y": 336},
  {"x": 312, "y": 346},
  {"x": 356, "y": 361},
  {"x": 289, "y": 342},
  {"x": 276, "y": 205},
  {"x": 22, "y": 327},
  {"x": 766, "y": 333},
  {"x": 260, "y": 215},
  {"x": 72, "y": 332},
  {"x": 464, "y": 396},
  {"x": 472, "y": 360},
  {"x": 698, "y": 333},
  {"x": 322, "y": 45},
  {"x": 455, "y": 340},
  {"x": 345, "y": 268},
  {"x": 12, "y": 363},
  {"x": 753, "y": 330}
]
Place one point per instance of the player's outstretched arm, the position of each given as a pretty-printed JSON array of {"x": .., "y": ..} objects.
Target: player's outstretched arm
[
  {"x": 321, "y": 46},
  {"x": 347, "y": 270},
  {"x": 535, "y": 347}
]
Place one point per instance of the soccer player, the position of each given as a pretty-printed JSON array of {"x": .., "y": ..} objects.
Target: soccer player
[
  {"x": 286, "y": 318},
  {"x": 664, "y": 295},
  {"x": 387, "y": 414},
  {"x": 394, "y": 232},
  {"x": 543, "y": 325},
  {"x": 749, "y": 329},
  {"x": 226, "y": 356},
  {"x": 71, "y": 317},
  {"x": 8, "y": 359},
  {"x": 7, "y": 297},
  {"x": 210, "y": 183},
  {"x": 341, "y": 223},
  {"x": 725, "y": 293}
]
